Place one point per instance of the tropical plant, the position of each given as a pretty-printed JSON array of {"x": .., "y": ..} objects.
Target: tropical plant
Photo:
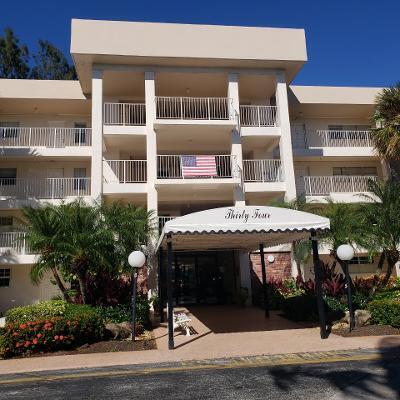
[
  {"x": 380, "y": 217},
  {"x": 346, "y": 227},
  {"x": 386, "y": 135},
  {"x": 301, "y": 248},
  {"x": 43, "y": 237}
]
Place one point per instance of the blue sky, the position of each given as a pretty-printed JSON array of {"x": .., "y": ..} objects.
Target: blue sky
[{"x": 350, "y": 43}]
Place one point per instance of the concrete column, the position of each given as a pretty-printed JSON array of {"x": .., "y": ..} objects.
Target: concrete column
[
  {"x": 151, "y": 141},
  {"x": 236, "y": 145},
  {"x": 285, "y": 144},
  {"x": 97, "y": 134},
  {"x": 151, "y": 156}
]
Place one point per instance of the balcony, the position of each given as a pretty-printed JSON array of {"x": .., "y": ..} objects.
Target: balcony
[
  {"x": 332, "y": 138},
  {"x": 197, "y": 111},
  {"x": 124, "y": 118},
  {"x": 263, "y": 175},
  {"x": 46, "y": 141},
  {"x": 14, "y": 249},
  {"x": 27, "y": 189},
  {"x": 339, "y": 187},
  {"x": 336, "y": 143},
  {"x": 197, "y": 169},
  {"x": 125, "y": 176},
  {"x": 258, "y": 120},
  {"x": 162, "y": 220}
]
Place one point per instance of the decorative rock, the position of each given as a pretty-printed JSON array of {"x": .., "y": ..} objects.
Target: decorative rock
[
  {"x": 361, "y": 317},
  {"x": 340, "y": 325},
  {"x": 122, "y": 330}
]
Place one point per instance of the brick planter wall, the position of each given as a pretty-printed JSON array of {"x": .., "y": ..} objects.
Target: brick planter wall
[{"x": 281, "y": 268}]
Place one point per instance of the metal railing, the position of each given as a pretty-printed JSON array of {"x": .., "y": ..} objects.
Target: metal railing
[
  {"x": 45, "y": 137},
  {"x": 201, "y": 108},
  {"x": 262, "y": 171},
  {"x": 44, "y": 188},
  {"x": 259, "y": 116},
  {"x": 124, "y": 114},
  {"x": 14, "y": 242},
  {"x": 129, "y": 171},
  {"x": 162, "y": 221},
  {"x": 338, "y": 138},
  {"x": 325, "y": 185},
  {"x": 196, "y": 166}
]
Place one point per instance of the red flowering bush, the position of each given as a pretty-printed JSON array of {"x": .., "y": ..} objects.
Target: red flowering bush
[{"x": 51, "y": 334}]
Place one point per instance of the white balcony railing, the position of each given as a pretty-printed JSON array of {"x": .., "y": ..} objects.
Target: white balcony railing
[
  {"x": 258, "y": 116},
  {"x": 44, "y": 188},
  {"x": 129, "y": 171},
  {"x": 14, "y": 242},
  {"x": 190, "y": 166},
  {"x": 45, "y": 137},
  {"x": 262, "y": 171},
  {"x": 325, "y": 185},
  {"x": 124, "y": 114},
  {"x": 162, "y": 221},
  {"x": 199, "y": 108},
  {"x": 337, "y": 138}
]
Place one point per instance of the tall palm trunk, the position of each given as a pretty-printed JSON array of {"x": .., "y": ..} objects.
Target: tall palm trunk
[
  {"x": 82, "y": 287},
  {"x": 379, "y": 268},
  {"x": 61, "y": 285},
  {"x": 392, "y": 256}
]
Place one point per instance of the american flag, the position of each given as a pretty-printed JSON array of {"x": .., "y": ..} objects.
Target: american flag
[{"x": 193, "y": 166}]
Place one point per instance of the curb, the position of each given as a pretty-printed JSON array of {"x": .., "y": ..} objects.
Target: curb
[{"x": 270, "y": 360}]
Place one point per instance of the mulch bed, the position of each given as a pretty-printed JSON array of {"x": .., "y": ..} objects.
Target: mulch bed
[{"x": 368, "y": 330}]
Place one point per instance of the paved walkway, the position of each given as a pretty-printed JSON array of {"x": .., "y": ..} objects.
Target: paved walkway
[{"x": 219, "y": 332}]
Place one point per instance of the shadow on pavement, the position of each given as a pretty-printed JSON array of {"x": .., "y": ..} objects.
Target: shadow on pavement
[{"x": 380, "y": 380}]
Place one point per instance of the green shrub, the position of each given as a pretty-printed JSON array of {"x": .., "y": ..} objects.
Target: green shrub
[
  {"x": 385, "y": 312},
  {"x": 42, "y": 310},
  {"x": 123, "y": 312},
  {"x": 52, "y": 334},
  {"x": 301, "y": 308}
]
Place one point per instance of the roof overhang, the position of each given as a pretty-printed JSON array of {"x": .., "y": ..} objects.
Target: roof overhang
[
  {"x": 240, "y": 228},
  {"x": 184, "y": 45}
]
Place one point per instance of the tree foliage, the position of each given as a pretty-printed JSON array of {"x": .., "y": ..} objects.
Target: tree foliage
[
  {"x": 82, "y": 242},
  {"x": 50, "y": 63},
  {"x": 16, "y": 62},
  {"x": 14, "y": 57},
  {"x": 386, "y": 135}
]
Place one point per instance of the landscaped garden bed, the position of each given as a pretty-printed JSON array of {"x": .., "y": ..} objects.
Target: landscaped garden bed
[
  {"x": 57, "y": 327},
  {"x": 367, "y": 330}
]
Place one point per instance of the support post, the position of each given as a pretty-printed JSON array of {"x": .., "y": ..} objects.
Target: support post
[
  {"x": 264, "y": 280},
  {"x": 318, "y": 286},
  {"x": 134, "y": 288},
  {"x": 170, "y": 309},
  {"x": 349, "y": 296},
  {"x": 160, "y": 279}
]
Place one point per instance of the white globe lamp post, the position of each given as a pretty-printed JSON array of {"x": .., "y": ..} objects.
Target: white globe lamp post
[
  {"x": 346, "y": 252},
  {"x": 136, "y": 260}
]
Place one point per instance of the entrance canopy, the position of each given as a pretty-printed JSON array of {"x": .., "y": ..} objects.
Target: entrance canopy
[{"x": 240, "y": 228}]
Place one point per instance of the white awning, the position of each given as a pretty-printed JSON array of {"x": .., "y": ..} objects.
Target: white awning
[{"x": 240, "y": 228}]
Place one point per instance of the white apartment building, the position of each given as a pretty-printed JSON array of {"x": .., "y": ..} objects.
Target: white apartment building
[{"x": 179, "y": 118}]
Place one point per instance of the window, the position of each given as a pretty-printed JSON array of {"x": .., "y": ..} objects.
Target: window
[
  {"x": 80, "y": 184},
  {"x": 8, "y": 176},
  {"x": 80, "y": 133},
  {"x": 5, "y": 274},
  {"x": 6, "y": 221},
  {"x": 8, "y": 129},
  {"x": 358, "y": 171},
  {"x": 361, "y": 260}
]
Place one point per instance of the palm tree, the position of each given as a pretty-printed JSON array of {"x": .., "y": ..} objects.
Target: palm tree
[
  {"x": 132, "y": 226},
  {"x": 43, "y": 238},
  {"x": 380, "y": 216},
  {"x": 87, "y": 244},
  {"x": 386, "y": 136},
  {"x": 301, "y": 248}
]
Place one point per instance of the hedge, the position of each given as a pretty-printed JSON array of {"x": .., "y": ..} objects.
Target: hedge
[
  {"x": 385, "y": 312},
  {"x": 52, "y": 334}
]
